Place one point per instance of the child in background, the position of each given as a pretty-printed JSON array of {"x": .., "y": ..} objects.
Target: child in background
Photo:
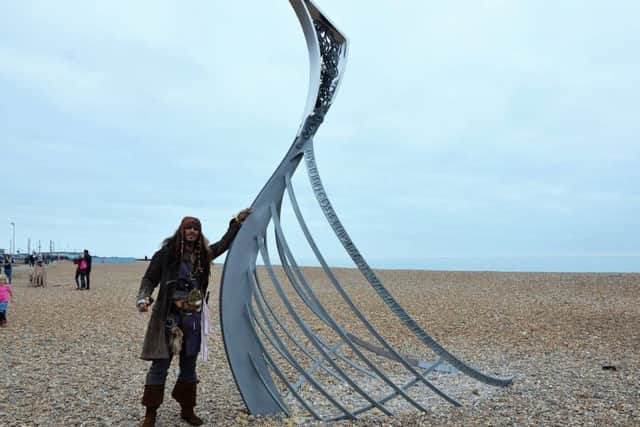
[{"x": 6, "y": 296}]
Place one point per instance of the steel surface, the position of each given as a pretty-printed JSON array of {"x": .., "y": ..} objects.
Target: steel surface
[{"x": 257, "y": 332}]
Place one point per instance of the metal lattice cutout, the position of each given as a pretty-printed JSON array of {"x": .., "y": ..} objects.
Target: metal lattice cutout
[{"x": 277, "y": 356}]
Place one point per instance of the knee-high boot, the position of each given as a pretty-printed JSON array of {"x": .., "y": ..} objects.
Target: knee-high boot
[
  {"x": 152, "y": 398},
  {"x": 185, "y": 394}
]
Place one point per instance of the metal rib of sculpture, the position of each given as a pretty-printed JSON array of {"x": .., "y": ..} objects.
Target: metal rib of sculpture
[{"x": 276, "y": 350}]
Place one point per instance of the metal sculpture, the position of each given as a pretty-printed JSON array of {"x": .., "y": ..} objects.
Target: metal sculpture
[{"x": 268, "y": 347}]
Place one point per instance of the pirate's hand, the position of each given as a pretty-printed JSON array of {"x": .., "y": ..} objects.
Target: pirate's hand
[
  {"x": 242, "y": 215},
  {"x": 143, "y": 304}
]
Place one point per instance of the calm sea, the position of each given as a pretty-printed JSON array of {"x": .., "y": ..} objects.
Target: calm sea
[
  {"x": 111, "y": 260},
  {"x": 578, "y": 264}
]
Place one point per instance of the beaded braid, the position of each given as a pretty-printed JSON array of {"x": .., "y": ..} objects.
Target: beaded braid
[
  {"x": 181, "y": 257},
  {"x": 196, "y": 253},
  {"x": 196, "y": 267}
]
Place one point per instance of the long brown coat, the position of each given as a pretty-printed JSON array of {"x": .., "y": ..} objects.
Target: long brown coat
[{"x": 162, "y": 269}]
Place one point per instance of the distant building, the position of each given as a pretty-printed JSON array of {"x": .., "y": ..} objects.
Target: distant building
[{"x": 63, "y": 254}]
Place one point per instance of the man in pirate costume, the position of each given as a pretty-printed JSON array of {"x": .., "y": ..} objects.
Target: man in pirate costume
[{"x": 181, "y": 270}]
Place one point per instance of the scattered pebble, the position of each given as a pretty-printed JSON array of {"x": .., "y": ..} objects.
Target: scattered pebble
[{"x": 571, "y": 341}]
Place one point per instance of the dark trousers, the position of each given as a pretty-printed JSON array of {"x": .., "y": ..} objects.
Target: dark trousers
[
  {"x": 77, "y": 279},
  {"x": 160, "y": 368},
  {"x": 7, "y": 272},
  {"x": 87, "y": 275},
  {"x": 3, "y": 316},
  {"x": 84, "y": 281}
]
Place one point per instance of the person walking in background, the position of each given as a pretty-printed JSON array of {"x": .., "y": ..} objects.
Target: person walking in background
[
  {"x": 83, "y": 265},
  {"x": 87, "y": 258},
  {"x": 8, "y": 267},
  {"x": 6, "y": 296},
  {"x": 39, "y": 275},
  {"x": 76, "y": 261},
  {"x": 180, "y": 270}
]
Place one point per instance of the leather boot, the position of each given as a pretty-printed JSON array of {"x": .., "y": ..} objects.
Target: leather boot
[
  {"x": 185, "y": 394},
  {"x": 152, "y": 398}
]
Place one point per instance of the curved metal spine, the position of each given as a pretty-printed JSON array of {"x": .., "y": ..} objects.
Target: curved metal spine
[
  {"x": 297, "y": 342},
  {"x": 305, "y": 299},
  {"x": 250, "y": 363},
  {"x": 286, "y": 330},
  {"x": 274, "y": 367},
  {"x": 305, "y": 329},
  {"x": 275, "y": 397},
  {"x": 300, "y": 382},
  {"x": 394, "y": 394},
  {"x": 279, "y": 345},
  {"x": 344, "y": 336},
  {"x": 327, "y": 53},
  {"x": 281, "y": 350},
  {"x": 401, "y": 314},
  {"x": 283, "y": 353}
]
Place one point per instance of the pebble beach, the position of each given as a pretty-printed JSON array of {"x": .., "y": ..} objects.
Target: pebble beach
[{"x": 571, "y": 342}]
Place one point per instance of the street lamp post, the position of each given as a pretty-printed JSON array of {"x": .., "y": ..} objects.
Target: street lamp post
[{"x": 13, "y": 224}]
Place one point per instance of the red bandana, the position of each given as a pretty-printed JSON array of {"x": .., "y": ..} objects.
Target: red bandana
[{"x": 190, "y": 221}]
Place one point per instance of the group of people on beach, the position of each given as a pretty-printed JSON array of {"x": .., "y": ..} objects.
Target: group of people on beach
[
  {"x": 180, "y": 270},
  {"x": 38, "y": 278}
]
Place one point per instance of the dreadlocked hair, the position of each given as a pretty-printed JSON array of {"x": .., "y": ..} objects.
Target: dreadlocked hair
[{"x": 202, "y": 256}]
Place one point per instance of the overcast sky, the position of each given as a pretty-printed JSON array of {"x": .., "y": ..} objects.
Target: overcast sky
[{"x": 461, "y": 128}]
